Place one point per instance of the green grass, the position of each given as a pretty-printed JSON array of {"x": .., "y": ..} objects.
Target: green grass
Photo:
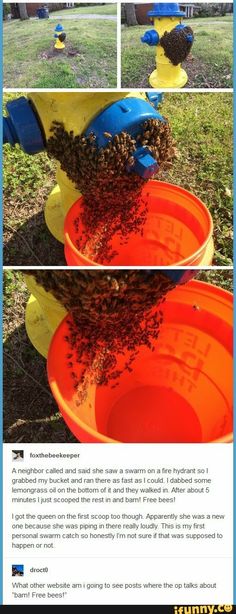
[
  {"x": 212, "y": 54},
  {"x": 26, "y": 45},
  {"x": 108, "y": 9}
]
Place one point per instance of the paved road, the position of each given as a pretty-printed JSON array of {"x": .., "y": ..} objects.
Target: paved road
[{"x": 87, "y": 16}]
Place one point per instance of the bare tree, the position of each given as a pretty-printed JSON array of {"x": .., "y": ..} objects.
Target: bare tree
[
  {"x": 130, "y": 14},
  {"x": 22, "y": 11}
]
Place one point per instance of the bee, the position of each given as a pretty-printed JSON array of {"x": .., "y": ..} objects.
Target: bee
[{"x": 108, "y": 135}]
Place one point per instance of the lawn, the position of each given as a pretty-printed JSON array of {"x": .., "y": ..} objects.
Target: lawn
[
  {"x": 202, "y": 128},
  {"x": 88, "y": 61},
  {"x": 209, "y": 64},
  {"x": 108, "y": 9},
  {"x": 30, "y": 412}
]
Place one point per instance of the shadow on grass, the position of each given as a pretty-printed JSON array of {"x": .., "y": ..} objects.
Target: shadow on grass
[
  {"x": 32, "y": 244},
  {"x": 30, "y": 413}
]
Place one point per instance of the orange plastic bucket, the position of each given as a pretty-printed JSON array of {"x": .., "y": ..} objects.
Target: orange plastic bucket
[
  {"x": 175, "y": 394},
  {"x": 178, "y": 231}
]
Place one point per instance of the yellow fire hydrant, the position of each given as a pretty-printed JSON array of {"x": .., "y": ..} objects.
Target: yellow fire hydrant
[
  {"x": 60, "y": 37},
  {"x": 30, "y": 121},
  {"x": 173, "y": 41}
]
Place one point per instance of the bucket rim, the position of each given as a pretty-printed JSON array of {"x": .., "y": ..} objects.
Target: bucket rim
[
  {"x": 149, "y": 185},
  {"x": 65, "y": 409}
]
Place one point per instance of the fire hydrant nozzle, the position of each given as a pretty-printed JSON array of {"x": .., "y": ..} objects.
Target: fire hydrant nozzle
[{"x": 22, "y": 126}]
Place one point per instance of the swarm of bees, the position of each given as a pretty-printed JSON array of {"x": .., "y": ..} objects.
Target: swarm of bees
[
  {"x": 176, "y": 44},
  {"x": 112, "y": 192},
  {"x": 111, "y": 315}
]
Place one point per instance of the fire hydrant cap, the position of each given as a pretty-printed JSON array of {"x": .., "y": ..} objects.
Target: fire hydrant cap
[
  {"x": 22, "y": 126},
  {"x": 166, "y": 9}
]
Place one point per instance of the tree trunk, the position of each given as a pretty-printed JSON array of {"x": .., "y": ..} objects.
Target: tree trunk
[
  {"x": 23, "y": 11},
  {"x": 130, "y": 15}
]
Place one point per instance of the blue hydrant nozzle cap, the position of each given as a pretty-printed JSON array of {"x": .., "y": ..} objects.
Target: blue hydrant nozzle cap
[
  {"x": 151, "y": 37},
  {"x": 166, "y": 9},
  {"x": 145, "y": 165},
  {"x": 23, "y": 126}
]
